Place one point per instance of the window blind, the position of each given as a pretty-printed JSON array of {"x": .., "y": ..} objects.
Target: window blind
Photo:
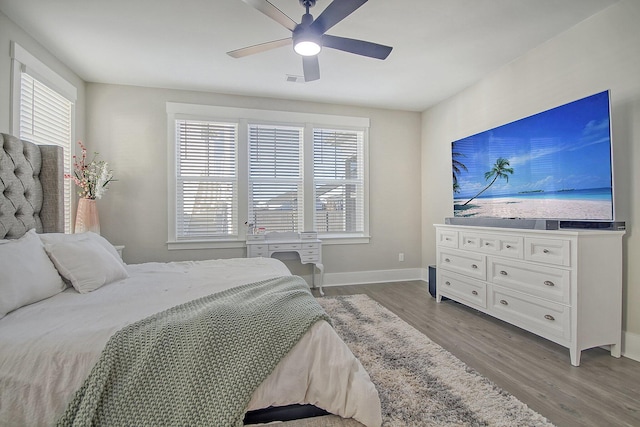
[
  {"x": 275, "y": 177},
  {"x": 207, "y": 180},
  {"x": 338, "y": 171},
  {"x": 46, "y": 118}
]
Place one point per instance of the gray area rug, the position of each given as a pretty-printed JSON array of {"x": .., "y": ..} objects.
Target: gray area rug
[{"x": 419, "y": 382}]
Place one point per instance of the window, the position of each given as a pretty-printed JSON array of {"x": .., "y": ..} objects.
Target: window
[
  {"x": 43, "y": 110},
  {"x": 207, "y": 180},
  {"x": 231, "y": 168},
  {"x": 338, "y": 176},
  {"x": 275, "y": 178}
]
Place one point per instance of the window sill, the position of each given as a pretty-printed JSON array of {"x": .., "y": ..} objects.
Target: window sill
[
  {"x": 239, "y": 244},
  {"x": 337, "y": 239},
  {"x": 206, "y": 244}
]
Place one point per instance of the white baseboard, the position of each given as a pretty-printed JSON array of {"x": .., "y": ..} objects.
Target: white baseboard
[
  {"x": 376, "y": 276},
  {"x": 631, "y": 345}
]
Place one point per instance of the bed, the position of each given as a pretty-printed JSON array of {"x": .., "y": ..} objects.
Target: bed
[{"x": 66, "y": 299}]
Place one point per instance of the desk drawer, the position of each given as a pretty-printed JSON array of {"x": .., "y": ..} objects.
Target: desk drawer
[
  {"x": 313, "y": 245},
  {"x": 309, "y": 252},
  {"x": 284, "y": 246},
  {"x": 257, "y": 250}
]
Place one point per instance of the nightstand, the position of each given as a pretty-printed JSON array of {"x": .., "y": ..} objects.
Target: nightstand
[{"x": 119, "y": 248}]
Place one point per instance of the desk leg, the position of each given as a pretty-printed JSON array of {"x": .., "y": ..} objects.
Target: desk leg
[{"x": 313, "y": 279}]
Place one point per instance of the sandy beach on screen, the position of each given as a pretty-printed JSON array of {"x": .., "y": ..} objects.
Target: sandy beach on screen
[{"x": 506, "y": 207}]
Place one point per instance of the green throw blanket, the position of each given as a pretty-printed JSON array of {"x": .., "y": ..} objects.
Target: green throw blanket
[{"x": 197, "y": 363}]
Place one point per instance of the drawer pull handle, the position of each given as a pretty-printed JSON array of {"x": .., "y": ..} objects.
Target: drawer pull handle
[
  {"x": 504, "y": 273},
  {"x": 486, "y": 244},
  {"x": 549, "y": 317},
  {"x": 448, "y": 283},
  {"x": 504, "y": 302},
  {"x": 474, "y": 266},
  {"x": 546, "y": 251},
  {"x": 468, "y": 241},
  {"x": 474, "y": 292},
  {"x": 508, "y": 246},
  {"x": 447, "y": 260},
  {"x": 549, "y": 283}
]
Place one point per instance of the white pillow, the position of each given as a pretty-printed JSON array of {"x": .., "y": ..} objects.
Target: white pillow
[
  {"x": 85, "y": 263},
  {"x": 26, "y": 273},
  {"x": 52, "y": 238}
]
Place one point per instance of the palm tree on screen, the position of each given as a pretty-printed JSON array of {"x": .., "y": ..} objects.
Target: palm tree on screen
[
  {"x": 500, "y": 169},
  {"x": 456, "y": 166}
]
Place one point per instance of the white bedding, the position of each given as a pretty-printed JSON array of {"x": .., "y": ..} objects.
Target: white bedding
[{"x": 48, "y": 348}]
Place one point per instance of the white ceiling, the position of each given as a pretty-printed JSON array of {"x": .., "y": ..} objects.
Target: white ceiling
[{"x": 440, "y": 46}]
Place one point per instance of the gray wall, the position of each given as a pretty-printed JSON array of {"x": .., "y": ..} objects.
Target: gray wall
[
  {"x": 600, "y": 53},
  {"x": 128, "y": 126}
]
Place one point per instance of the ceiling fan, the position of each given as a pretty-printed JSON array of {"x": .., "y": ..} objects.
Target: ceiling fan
[{"x": 309, "y": 36}]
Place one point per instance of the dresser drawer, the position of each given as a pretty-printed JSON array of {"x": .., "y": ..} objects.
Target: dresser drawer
[
  {"x": 548, "y": 319},
  {"x": 495, "y": 244},
  {"x": 462, "y": 289},
  {"x": 284, "y": 246},
  {"x": 545, "y": 282},
  {"x": 467, "y": 263},
  {"x": 447, "y": 238},
  {"x": 549, "y": 251}
]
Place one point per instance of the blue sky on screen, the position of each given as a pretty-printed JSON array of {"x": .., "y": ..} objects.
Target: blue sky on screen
[{"x": 567, "y": 147}]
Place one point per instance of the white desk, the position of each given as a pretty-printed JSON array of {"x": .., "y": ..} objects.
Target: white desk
[{"x": 306, "y": 245}]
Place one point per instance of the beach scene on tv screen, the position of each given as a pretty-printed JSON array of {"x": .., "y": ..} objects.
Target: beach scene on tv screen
[{"x": 553, "y": 165}]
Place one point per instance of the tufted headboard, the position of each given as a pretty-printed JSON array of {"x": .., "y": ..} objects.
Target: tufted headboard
[{"x": 31, "y": 187}]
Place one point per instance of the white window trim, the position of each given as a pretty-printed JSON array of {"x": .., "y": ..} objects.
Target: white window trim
[
  {"x": 21, "y": 61},
  {"x": 242, "y": 116}
]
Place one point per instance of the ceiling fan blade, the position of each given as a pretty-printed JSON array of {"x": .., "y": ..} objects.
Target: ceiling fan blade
[
  {"x": 262, "y": 47},
  {"x": 359, "y": 47},
  {"x": 272, "y": 12},
  {"x": 334, "y": 13},
  {"x": 311, "y": 68}
]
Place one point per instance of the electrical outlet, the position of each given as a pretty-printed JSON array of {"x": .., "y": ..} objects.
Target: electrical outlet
[{"x": 401, "y": 257}]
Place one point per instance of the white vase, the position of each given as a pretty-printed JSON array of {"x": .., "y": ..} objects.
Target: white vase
[{"x": 87, "y": 216}]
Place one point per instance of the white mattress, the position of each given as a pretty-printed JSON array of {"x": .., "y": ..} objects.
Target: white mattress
[{"x": 48, "y": 348}]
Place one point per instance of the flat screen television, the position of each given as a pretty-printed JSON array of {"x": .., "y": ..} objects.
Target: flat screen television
[{"x": 553, "y": 165}]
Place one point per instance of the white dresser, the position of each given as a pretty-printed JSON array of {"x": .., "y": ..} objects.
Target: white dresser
[
  {"x": 564, "y": 285},
  {"x": 306, "y": 245}
]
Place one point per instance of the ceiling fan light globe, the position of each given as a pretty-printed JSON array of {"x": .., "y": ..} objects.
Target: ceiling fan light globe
[{"x": 307, "y": 48}]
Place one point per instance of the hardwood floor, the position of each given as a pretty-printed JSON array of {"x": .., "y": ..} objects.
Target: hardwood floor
[{"x": 603, "y": 391}]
